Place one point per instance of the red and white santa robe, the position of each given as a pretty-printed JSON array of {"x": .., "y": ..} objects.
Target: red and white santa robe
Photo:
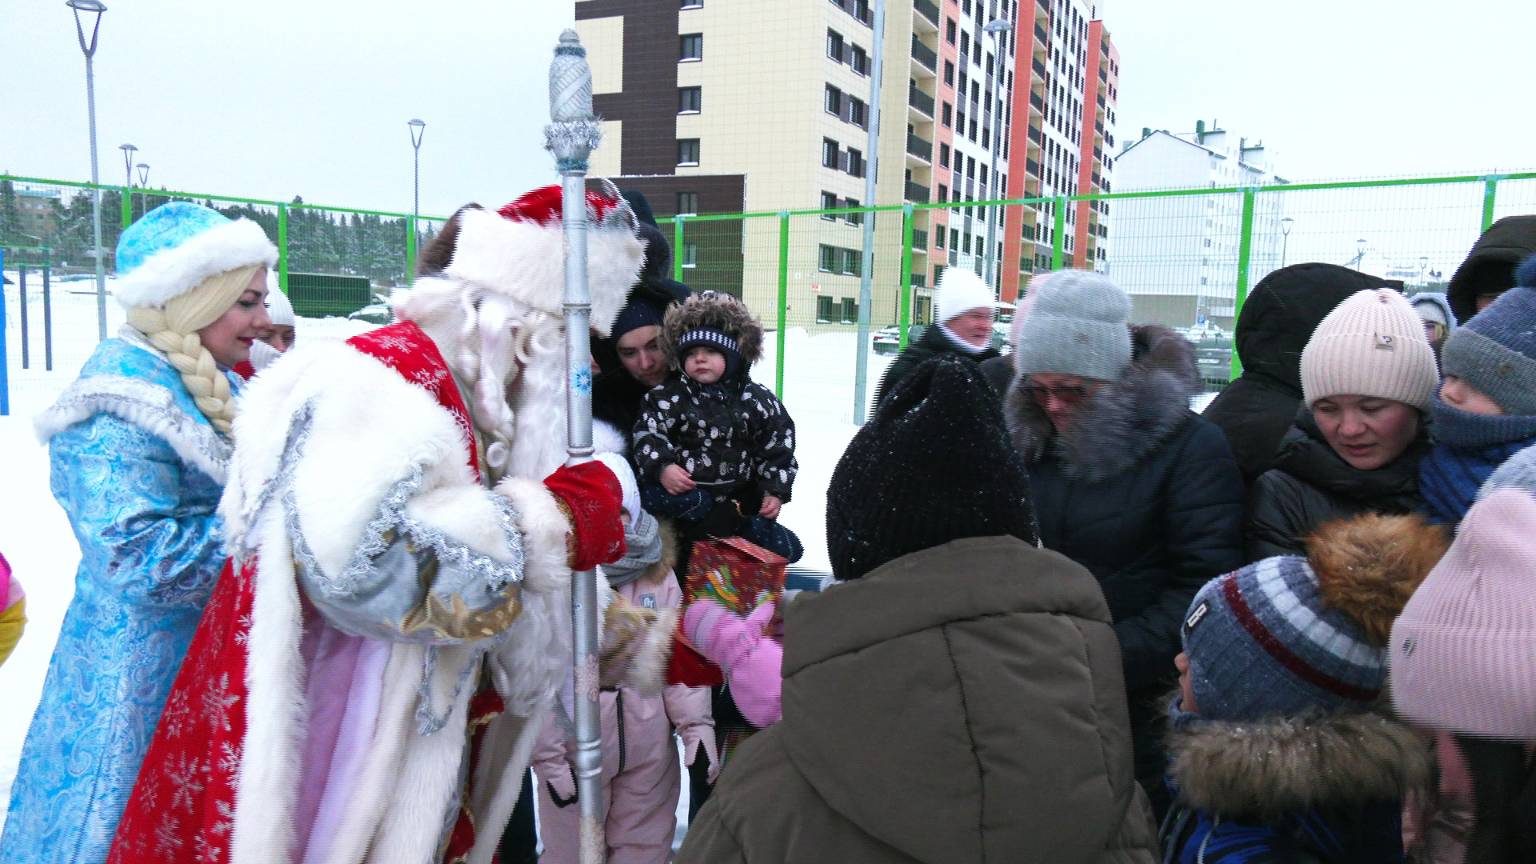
[{"x": 289, "y": 739}]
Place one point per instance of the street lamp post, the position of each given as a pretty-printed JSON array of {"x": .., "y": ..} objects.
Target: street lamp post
[
  {"x": 418, "y": 129},
  {"x": 1423, "y": 266},
  {"x": 1360, "y": 258},
  {"x": 93, "y": 8},
  {"x": 143, "y": 185},
  {"x": 128, "y": 151},
  {"x": 996, "y": 27},
  {"x": 1285, "y": 237}
]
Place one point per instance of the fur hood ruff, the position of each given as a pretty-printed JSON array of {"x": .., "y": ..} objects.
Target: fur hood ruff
[
  {"x": 1270, "y": 768},
  {"x": 1126, "y": 420}
]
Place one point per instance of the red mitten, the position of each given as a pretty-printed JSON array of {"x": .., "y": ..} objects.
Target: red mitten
[{"x": 592, "y": 496}]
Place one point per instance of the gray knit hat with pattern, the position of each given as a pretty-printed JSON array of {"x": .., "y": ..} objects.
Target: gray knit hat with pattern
[
  {"x": 1495, "y": 351},
  {"x": 1077, "y": 326}
]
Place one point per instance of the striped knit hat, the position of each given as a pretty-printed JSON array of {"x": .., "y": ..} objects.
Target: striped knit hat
[
  {"x": 1262, "y": 642},
  {"x": 1372, "y": 344},
  {"x": 1464, "y": 650},
  {"x": 703, "y": 337}
]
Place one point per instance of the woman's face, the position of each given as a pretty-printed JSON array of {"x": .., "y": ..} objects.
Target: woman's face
[
  {"x": 973, "y": 325},
  {"x": 640, "y": 352},
  {"x": 1367, "y": 432},
  {"x": 1458, "y": 394},
  {"x": 230, "y": 337},
  {"x": 1061, "y": 396}
]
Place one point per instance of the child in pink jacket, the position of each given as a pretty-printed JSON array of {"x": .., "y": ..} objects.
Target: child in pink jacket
[{"x": 640, "y": 773}]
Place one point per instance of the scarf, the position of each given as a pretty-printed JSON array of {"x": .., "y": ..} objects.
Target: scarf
[
  {"x": 1468, "y": 448},
  {"x": 960, "y": 344}
]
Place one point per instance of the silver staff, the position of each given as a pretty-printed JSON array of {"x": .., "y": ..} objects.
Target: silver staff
[{"x": 572, "y": 136}]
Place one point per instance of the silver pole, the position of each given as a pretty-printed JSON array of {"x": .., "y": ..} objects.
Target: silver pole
[
  {"x": 996, "y": 28},
  {"x": 571, "y": 136},
  {"x": 871, "y": 167},
  {"x": 89, "y": 49}
]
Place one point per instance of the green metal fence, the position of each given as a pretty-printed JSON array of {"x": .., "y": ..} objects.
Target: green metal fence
[{"x": 1187, "y": 256}]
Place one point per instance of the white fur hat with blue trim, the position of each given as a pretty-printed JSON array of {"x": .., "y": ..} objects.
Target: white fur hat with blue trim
[{"x": 176, "y": 246}]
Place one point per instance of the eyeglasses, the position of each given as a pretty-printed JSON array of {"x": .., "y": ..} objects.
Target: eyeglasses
[{"x": 1068, "y": 395}]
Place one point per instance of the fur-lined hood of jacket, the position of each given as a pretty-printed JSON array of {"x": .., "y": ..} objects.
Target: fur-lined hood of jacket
[
  {"x": 712, "y": 310},
  {"x": 1125, "y": 420},
  {"x": 1272, "y": 768}
]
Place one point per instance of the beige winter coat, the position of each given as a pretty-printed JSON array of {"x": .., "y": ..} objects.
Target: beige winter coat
[{"x": 960, "y": 704}]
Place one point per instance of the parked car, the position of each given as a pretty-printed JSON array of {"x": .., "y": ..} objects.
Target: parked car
[
  {"x": 1215, "y": 364},
  {"x": 887, "y": 340},
  {"x": 373, "y": 313}
]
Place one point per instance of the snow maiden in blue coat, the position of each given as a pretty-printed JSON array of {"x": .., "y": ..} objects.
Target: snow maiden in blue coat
[
  {"x": 1279, "y": 753},
  {"x": 138, "y": 447}
]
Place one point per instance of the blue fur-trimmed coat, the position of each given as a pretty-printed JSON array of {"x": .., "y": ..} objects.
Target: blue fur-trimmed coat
[{"x": 138, "y": 470}]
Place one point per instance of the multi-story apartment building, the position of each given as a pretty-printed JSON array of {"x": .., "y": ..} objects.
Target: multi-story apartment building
[
  {"x": 1177, "y": 257},
  {"x": 712, "y": 107}
]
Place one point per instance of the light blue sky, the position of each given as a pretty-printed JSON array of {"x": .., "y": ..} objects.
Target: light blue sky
[{"x": 282, "y": 97}]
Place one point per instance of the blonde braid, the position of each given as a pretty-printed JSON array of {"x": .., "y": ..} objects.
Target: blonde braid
[{"x": 172, "y": 329}]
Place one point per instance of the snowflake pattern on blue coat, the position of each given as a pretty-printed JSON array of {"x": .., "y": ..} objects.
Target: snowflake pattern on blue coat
[{"x": 151, "y": 546}]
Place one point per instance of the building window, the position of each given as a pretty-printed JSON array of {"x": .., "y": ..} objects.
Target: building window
[
  {"x": 938, "y": 237},
  {"x": 835, "y": 45},
  {"x": 948, "y": 114},
  {"x": 949, "y": 30},
  {"x": 829, "y": 202},
  {"x": 852, "y": 262},
  {"x": 828, "y": 260},
  {"x": 687, "y": 151},
  {"x": 828, "y": 153},
  {"x": 949, "y": 73},
  {"x": 855, "y": 162},
  {"x": 857, "y": 114},
  {"x": 690, "y": 100},
  {"x": 944, "y": 154},
  {"x": 853, "y": 218},
  {"x": 691, "y": 4},
  {"x": 692, "y": 47},
  {"x": 861, "y": 11},
  {"x": 965, "y": 43},
  {"x": 858, "y": 58},
  {"x": 690, "y": 254},
  {"x": 833, "y": 103},
  {"x": 954, "y": 239},
  {"x": 943, "y": 194},
  {"x": 687, "y": 203}
]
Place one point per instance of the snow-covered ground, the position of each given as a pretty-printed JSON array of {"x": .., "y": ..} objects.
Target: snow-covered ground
[{"x": 36, "y": 538}]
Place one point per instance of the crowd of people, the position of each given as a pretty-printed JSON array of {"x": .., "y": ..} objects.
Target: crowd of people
[{"x": 322, "y": 609}]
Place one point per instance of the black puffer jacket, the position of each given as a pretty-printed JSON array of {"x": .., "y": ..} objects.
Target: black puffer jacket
[
  {"x": 1146, "y": 495},
  {"x": 726, "y": 435},
  {"x": 931, "y": 344},
  {"x": 1277, "y": 320},
  {"x": 1311, "y": 484},
  {"x": 1491, "y": 263}
]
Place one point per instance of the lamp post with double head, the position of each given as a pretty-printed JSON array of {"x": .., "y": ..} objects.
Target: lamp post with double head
[
  {"x": 1285, "y": 237},
  {"x": 92, "y": 10},
  {"x": 997, "y": 27}
]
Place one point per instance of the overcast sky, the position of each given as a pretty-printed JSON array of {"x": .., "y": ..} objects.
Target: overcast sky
[{"x": 282, "y": 97}]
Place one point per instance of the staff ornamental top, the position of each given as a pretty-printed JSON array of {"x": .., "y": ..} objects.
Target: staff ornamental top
[{"x": 574, "y": 132}]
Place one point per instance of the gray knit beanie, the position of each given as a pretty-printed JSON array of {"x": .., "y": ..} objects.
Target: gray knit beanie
[
  {"x": 1077, "y": 326},
  {"x": 1495, "y": 351}
]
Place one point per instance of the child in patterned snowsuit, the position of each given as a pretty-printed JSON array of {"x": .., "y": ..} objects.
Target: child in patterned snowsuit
[{"x": 715, "y": 450}]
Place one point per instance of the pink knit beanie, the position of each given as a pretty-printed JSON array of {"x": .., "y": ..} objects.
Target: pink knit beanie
[
  {"x": 1463, "y": 652},
  {"x": 1372, "y": 344}
]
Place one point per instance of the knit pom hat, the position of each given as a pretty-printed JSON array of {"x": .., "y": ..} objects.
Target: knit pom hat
[
  {"x": 935, "y": 464},
  {"x": 960, "y": 291},
  {"x": 1495, "y": 351},
  {"x": 1463, "y": 653},
  {"x": 1288, "y": 634},
  {"x": 1077, "y": 326},
  {"x": 279, "y": 309},
  {"x": 1372, "y": 344},
  {"x": 177, "y": 246}
]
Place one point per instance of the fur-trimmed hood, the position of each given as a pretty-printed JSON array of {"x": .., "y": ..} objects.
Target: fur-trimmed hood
[
  {"x": 1126, "y": 420},
  {"x": 711, "y": 310},
  {"x": 1271, "y": 768}
]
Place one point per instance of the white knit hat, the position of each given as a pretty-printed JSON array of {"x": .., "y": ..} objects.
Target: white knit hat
[
  {"x": 1372, "y": 344},
  {"x": 959, "y": 292}
]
